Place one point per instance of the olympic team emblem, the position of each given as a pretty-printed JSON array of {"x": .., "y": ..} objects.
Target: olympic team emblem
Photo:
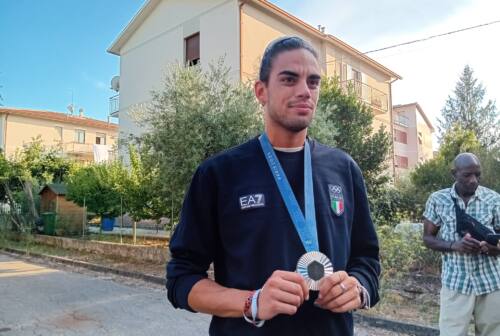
[{"x": 336, "y": 199}]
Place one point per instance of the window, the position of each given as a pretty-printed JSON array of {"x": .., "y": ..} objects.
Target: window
[
  {"x": 356, "y": 75},
  {"x": 100, "y": 139},
  {"x": 79, "y": 136},
  {"x": 400, "y": 136},
  {"x": 59, "y": 133},
  {"x": 401, "y": 120},
  {"x": 401, "y": 161},
  {"x": 192, "y": 45},
  {"x": 420, "y": 137}
]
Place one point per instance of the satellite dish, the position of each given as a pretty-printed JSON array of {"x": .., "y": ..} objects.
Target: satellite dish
[
  {"x": 70, "y": 108},
  {"x": 80, "y": 111},
  {"x": 115, "y": 83}
]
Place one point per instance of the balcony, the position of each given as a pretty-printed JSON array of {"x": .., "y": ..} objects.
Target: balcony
[
  {"x": 114, "y": 105},
  {"x": 374, "y": 98},
  {"x": 78, "y": 149},
  {"x": 83, "y": 152}
]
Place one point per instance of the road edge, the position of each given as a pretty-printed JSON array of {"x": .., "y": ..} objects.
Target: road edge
[{"x": 363, "y": 319}]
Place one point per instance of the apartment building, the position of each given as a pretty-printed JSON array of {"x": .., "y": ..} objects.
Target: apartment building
[
  {"x": 412, "y": 133},
  {"x": 202, "y": 31},
  {"x": 77, "y": 137}
]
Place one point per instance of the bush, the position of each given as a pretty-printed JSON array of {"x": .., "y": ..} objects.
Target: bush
[
  {"x": 404, "y": 252},
  {"x": 394, "y": 204}
]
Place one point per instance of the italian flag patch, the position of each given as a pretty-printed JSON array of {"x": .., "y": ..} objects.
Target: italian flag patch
[{"x": 336, "y": 199}]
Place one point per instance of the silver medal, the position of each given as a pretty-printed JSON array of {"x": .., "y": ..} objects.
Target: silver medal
[{"x": 313, "y": 266}]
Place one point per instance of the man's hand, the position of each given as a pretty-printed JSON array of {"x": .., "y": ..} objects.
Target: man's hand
[
  {"x": 488, "y": 249},
  {"x": 339, "y": 293},
  {"x": 282, "y": 293},
  {"x": 467, "y": 245}
]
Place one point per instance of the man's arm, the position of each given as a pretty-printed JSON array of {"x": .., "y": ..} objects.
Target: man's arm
[
  {"x": 341, "y": 291},
  {"x": 488, "y": 249},
  {"x": 465, "y": 245},
  {"x": 282, "y": 293},
  {"x": 364, "y": 262},
  {"x": 193, "y": 247},
  {"x": 432, "y": 241},
  {"x": 207, "y": 296}
]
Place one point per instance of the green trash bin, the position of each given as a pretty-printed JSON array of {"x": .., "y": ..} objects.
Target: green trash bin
[{"x": 49, "y": 223}]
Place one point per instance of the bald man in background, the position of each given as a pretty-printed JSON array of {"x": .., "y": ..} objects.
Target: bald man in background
[{"x": 471, "y": 268}]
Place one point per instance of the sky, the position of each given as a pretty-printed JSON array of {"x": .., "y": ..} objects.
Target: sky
[
  {"x": 53, "y": 52},
  {"x": 430, "y": 69}
]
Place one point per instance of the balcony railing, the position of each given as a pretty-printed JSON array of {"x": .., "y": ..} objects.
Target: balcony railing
[
  {"x": 76, "y": 148},
  {"x": 376, "y": 99},
  {"x": 114, "y": 105},
  {"x": 82, "y": 151}
]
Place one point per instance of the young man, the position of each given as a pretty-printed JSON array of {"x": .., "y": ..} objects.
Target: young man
[
  {"x": 284, "y": 219},
  {"x": 471, "y": 268}
]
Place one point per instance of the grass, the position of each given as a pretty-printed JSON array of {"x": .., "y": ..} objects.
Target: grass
[
  {"x": 125, "y": 239},
  {"x": 31, "y": 247},
  {"x": 104, "y": 260}
]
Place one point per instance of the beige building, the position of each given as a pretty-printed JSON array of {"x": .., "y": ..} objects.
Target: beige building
[
  {"x": 412, "y": 137},
  {"x": 202, "y": 31},
  {"x": 74, "y": 136}
]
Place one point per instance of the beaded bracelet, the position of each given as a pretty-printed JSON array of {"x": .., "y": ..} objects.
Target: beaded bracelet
[
  {"x": 248, "y": 303},
  {"x": 252, "y": 307}
]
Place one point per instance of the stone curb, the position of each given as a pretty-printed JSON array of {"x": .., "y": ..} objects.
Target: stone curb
[
  {"x": 93, "y": 267},
  {"x": 383, "y": 323},
  {"x": 396, "y": 326}
]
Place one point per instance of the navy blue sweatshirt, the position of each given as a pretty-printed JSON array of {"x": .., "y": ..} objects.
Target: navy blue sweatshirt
[{"x": 247, "y": 238}]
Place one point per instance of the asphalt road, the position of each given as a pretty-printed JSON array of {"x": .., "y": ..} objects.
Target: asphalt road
[
  {"x": 38, "y": 300},
  {"x": 50, "y": 299}
]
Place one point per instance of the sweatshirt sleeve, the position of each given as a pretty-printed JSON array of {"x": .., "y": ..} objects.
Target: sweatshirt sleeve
[
  {"x": 364, "y": 263},
  {"x": 192, "y": 245}
]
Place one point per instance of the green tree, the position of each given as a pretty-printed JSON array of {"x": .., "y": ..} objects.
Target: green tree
[
  {"x": 195, "y": 115},
  {"x": 97, "y": 187},
  {"x": 490, "y": 166},
  {"x": 347, "y": 123},
  {"x": 22, "y": 176},
  {"x": 9, "y": 184},
  {"x": 45, "y": 165},
  {"x": 435, "y": 174},
  {"x": 465, "y": 109},
  {"x": 141, "y": 197}
]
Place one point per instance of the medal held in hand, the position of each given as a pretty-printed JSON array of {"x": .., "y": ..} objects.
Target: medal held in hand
[{"x": 313, "y": 265}]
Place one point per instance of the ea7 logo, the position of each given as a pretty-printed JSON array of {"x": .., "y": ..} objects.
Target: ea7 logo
[{"x": 252, "y": 201}]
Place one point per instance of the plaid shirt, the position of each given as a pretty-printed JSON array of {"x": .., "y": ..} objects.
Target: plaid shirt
[{"x": 466, "y": 273}]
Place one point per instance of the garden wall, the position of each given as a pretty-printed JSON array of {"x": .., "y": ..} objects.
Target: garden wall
[{"x": 157, "y": 254}]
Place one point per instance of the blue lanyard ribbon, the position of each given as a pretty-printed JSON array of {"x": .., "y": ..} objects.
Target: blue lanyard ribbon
[{"x": 305, "y": 226}]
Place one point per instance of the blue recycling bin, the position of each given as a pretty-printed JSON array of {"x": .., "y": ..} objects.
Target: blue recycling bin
[{"x": 107, "y": 223}]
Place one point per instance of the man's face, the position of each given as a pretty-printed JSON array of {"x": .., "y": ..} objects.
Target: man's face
[
  {"x": 467, "y": 179},
  {"x": 291, "y": 94}
]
